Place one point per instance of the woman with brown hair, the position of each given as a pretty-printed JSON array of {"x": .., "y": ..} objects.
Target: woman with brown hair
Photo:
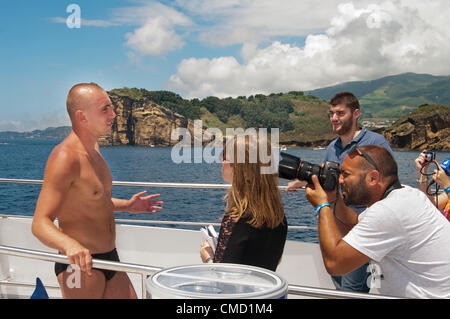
[{"x": 254, "y": 228}]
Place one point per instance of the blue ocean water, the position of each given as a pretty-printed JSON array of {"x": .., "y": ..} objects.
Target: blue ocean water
[{"x": 26, "y": 159}]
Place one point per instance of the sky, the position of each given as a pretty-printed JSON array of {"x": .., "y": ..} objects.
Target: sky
[{"x": 200, "y": 48}]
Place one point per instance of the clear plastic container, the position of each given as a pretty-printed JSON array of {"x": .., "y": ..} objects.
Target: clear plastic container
[{"x": 230, "y": 281}]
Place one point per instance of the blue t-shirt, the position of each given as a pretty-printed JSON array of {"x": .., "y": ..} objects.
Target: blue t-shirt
[{"x": 337, "y": 153}]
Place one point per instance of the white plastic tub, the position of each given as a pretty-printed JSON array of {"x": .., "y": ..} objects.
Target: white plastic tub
[{"x": 230, "y": 281}]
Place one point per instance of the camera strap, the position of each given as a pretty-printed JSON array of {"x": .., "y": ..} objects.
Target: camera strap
[{"x": 394, "y": 185}]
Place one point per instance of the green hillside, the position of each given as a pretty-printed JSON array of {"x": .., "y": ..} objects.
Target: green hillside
[
  {"x": 297, "y": 115},
  {"x": 394, "y": 96}
]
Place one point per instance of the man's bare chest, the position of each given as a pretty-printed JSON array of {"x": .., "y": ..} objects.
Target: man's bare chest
[{"x": 95, "y": 177}]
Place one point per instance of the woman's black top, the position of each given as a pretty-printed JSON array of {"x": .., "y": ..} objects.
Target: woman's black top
[{"x": 241, "y": 243}]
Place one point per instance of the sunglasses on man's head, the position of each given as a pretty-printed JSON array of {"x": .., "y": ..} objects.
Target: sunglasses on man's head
[{"x": 355, "y": 150}]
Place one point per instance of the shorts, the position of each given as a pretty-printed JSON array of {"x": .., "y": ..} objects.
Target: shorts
[{"x": 110, "y": 256}]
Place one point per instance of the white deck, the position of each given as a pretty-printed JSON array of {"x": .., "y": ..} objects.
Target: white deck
[{"x": 153, "y": 246}]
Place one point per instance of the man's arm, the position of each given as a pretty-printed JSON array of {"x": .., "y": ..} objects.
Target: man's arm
[
  {"x": 59, "y": 175},
  {"x": 137, "y": 204},
  {"x": 345, "y": 216},
  {"x": 339, "y": 257},
  {"x": 295, "y": 185}
]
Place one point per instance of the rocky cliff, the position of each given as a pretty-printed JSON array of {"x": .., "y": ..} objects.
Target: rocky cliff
[
  {"x": 427, "y": 128},
  {"x": 144, "y": 123}
]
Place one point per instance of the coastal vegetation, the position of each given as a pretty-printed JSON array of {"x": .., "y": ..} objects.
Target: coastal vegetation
[{"x": 296, "y": 114}]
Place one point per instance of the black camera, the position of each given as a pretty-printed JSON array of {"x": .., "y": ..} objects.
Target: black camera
[
  {"x": 291, "y": 167},
  {"x": 429, "y": 156}
]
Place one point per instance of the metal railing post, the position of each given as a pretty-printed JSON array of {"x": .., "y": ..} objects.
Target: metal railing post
[{"x": 144, "y": 288}]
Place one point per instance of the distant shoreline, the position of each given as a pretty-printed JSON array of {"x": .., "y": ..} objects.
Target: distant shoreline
[{"x": 59, "y": 139}]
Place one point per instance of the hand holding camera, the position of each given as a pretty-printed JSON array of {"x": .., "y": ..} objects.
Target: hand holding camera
[
  {"x": 422, "y": 162},
  {"x": 429, "y": 156},
  {"x": 315, "y": 194}
]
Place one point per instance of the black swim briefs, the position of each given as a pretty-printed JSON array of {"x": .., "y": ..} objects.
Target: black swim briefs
[{"x": 111, "y": 256}]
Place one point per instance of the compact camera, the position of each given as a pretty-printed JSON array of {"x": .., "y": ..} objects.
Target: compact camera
[
  {"x": 429, "y": 156},
  {"x": 291, "y": 167}
]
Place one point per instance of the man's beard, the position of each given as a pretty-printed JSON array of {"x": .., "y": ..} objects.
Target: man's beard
[
  {"x": 358, "y": 194},
  {"x": 345, "y": 127}
]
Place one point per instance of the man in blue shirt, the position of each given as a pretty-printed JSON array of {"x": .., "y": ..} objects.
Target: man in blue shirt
[{"x": 344, "y": 114}]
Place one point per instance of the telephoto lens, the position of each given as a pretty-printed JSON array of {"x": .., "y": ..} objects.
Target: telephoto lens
[
  {"x": 288, "y": 166},
  {"x": 292, "y": 167}
]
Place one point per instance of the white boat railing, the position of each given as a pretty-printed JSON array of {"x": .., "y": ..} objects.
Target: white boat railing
[
  {"x": 156, "y": 185},
  {"x": 146, "y": 271},
  {"x": 136, "y": 184}
]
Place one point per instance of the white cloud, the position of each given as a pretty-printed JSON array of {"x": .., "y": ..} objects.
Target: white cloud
[
  {"x": 148, "y": 10},
  {"x": 340, "y": 40},
  {"x": 262, "y": 20},
  {"x": 157, "y": 32},
  {"x": 219, "y": 22},
  {"x": 361, "y": 42},
  {"x": 87, "y": 22},
  {"x": 154, "y": 38}
]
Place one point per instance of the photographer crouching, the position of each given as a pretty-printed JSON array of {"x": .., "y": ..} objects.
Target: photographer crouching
[{"x": 403, "y": 235}]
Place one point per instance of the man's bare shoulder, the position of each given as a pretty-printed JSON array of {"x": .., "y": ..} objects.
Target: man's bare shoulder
[{"x": 64, "y": 159}]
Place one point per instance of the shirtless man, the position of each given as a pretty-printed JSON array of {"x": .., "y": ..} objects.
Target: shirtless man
[{"x": 77, "y": 191}]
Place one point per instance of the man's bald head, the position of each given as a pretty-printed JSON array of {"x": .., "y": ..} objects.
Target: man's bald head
[{"x": 79, "y": 97}]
